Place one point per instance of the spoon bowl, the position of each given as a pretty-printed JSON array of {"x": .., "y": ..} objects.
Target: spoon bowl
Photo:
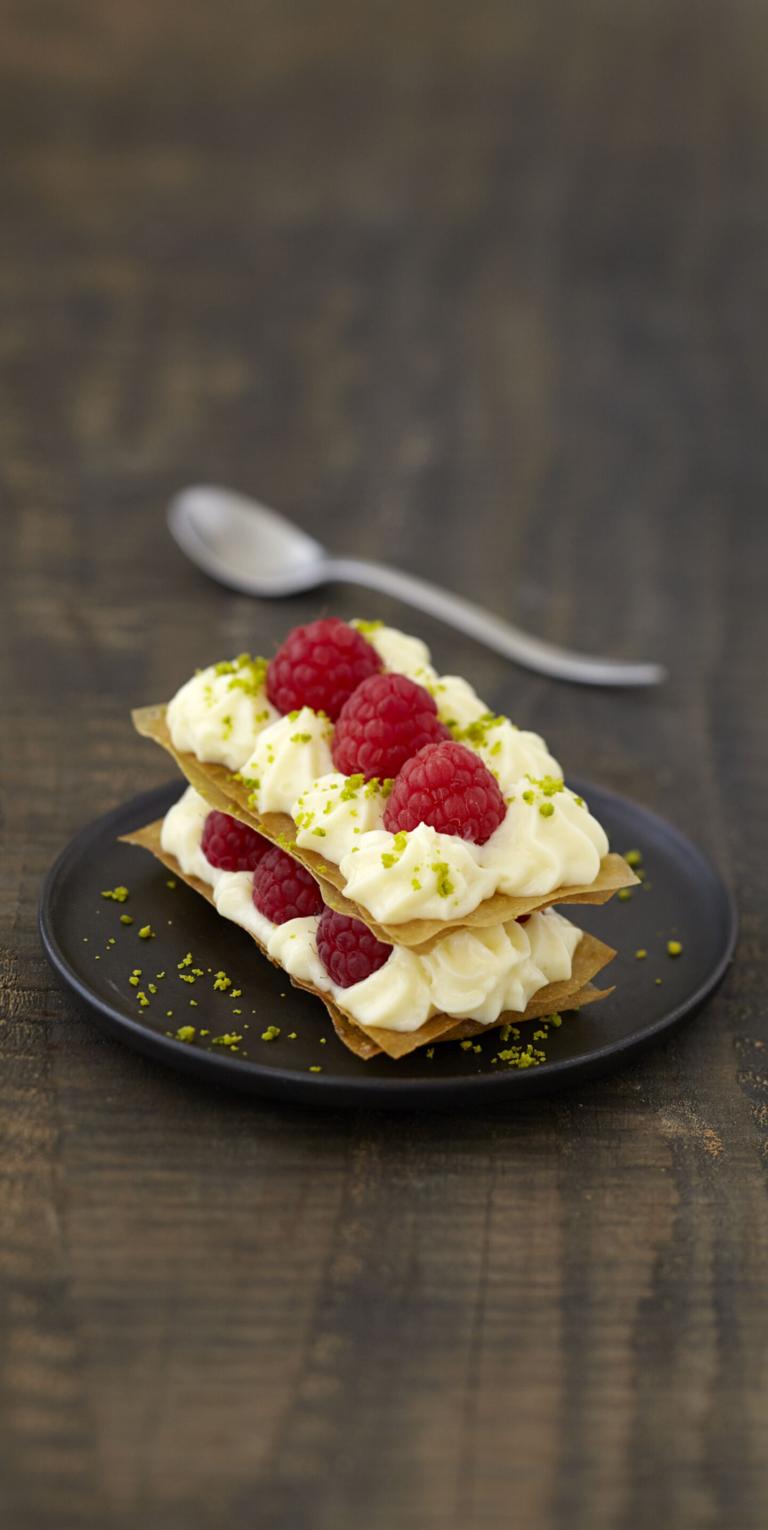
[{"x": 250, "y": 548}]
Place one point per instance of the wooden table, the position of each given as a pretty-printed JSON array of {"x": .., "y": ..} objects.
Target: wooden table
[{"x": 481, "y": 289}]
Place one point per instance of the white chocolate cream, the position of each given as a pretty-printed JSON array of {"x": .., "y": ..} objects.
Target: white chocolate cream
[
  {"x": 289, "y": 755},
  {"x": 335, "y": 811},
  {"x": 220, "y": 712},
  {"x": 469, "y": 974},
  {"x": 399, "y": 652},
  {"x": 548, "y": 838}
]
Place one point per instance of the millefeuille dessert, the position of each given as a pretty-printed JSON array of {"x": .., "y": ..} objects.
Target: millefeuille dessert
[{"x": 388, "y": 841}]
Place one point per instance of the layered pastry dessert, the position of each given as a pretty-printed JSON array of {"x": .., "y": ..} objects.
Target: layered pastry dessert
[{"x": 386, "y": 839}]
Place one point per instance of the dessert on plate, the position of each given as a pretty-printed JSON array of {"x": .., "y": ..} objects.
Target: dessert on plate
[{"x": 388, "y": 841}]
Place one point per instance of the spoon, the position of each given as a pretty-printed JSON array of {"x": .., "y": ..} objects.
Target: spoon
[{"x": 250, "y": 548}]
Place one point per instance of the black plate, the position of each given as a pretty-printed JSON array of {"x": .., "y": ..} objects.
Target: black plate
[{"x": 95, "y": 953}]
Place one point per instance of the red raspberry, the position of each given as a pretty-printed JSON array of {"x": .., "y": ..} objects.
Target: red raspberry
[
  {"x": 385, "y": 721},
  {"x": 347, "y": 949},
  {"x": 319, "y": 666},
  {"x": 450, "y": 788},
  {"x": 283, "y": 889},
  {"x": 230, "y": 844}
]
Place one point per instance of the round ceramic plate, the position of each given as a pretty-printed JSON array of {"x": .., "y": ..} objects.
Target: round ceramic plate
[{"x": 95, "y": 953}]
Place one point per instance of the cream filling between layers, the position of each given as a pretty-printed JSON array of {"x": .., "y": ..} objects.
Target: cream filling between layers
[{"x": 469, "y": 974}]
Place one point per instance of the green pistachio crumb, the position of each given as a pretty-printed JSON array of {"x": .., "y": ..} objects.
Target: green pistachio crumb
[
  {"x": 625, "y": 893},
  {"x": 146, "y": 932},
  {"x": 363, "y": 625},
  {"x": 315, "y": 1068},
  {"x": 442, "y": 876},
  {"x": 546, "y": 809},
  {"x": 134, "y": 982},
  {"x": 633, "y": 857},
  {"x": 399, "y": 843},
  {"x": 117, "y": 894},
  {"x": 674, "y": 948},
  {"x": 271, "y": 1033},
  {"x": 186, "y": 1033},
  {"x": 126, "y": 919},
  {"x": 641, "y": 955},
  {"x": 528, "y": 797},
  {"x": 430, "y": 1053},
  {"x": 465, "y": 1046},
  {"x": 351, "y": 787},
  {"x": 292, "y": 1035}
]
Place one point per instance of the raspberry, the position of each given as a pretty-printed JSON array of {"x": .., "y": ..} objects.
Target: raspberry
[
  {"x": 450, "y": 788},
  {"x": 230, "y": 844},
  {"x": 385, "y": 721},
  {"x": 347, "y": 949},
  {"x": 283, "y": 889},
  {"x": 319, "y": 666}
]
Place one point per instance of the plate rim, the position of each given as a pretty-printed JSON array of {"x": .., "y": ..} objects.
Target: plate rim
[{"x": 249, "y": 1075}]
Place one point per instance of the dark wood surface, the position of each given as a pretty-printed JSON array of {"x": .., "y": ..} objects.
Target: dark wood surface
[{"x": 480, "y": 289}]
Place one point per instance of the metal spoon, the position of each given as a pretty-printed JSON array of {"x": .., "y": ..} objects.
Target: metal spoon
[{"x": 250, "y": 548}]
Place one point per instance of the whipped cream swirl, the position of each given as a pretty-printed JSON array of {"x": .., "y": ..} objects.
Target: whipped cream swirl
[{"x": 220, "y": 712}]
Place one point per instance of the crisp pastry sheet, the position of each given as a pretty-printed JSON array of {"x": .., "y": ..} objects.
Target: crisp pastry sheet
[{"x": 221, "y": 789}]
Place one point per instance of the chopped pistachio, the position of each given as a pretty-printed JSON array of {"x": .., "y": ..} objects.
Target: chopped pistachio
[{"x": 442, "y": 875}]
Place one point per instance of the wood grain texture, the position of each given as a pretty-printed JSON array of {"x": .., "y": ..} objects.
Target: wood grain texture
[{"x": 482, "y": 289}]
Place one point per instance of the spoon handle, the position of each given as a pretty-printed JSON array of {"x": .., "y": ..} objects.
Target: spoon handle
[{"x": 531, "y": 652}]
